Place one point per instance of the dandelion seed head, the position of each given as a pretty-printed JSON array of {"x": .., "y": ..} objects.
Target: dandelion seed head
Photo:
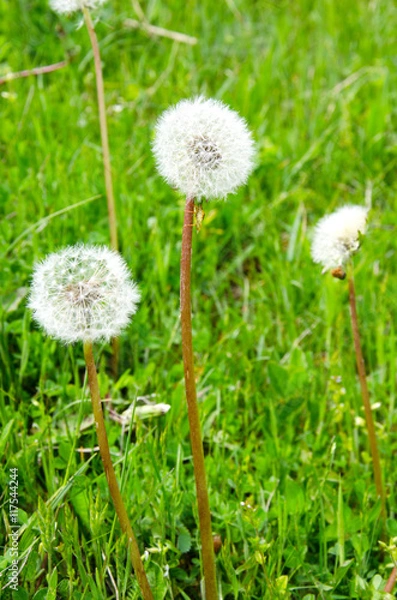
[
  {"x": 70, "y": 6},
  {"x": 203, "y": 148},
  {"x": 337, "y": 236},
  {"x": 83, "y": 293}
]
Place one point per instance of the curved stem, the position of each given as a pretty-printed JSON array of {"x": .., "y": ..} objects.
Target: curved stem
[
  {"x": 365, "y": 396},
  {"x": 104, "y": 130},
  {"x": 110, "y": 474},
  {"x": 192, "y": 406}
]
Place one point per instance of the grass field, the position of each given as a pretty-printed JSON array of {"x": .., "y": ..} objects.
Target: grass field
[{"x": 287, "y": 457}]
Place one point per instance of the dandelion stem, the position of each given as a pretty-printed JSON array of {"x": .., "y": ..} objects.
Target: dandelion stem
[
  {"x": 193, "y": 412},
  {"x": 106, "y": 159},
  {"x": 104, "y": 130},
  {"x": 35, "y": 71},
  {"x": 110, "y": 474},
  {"x": 365, "y": 395},
  {"x": 391, "y": 581}
]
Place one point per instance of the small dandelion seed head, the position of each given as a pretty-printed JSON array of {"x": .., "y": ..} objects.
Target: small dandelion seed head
[
  {"x": 203, "y": 148},
  {"x": 337, "y": 236},
  {"x": 83, "y": 293},
  {"x": 70, "y": 6}
]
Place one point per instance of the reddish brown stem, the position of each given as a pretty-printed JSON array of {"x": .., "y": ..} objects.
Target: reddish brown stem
[
  {"x": 35, "y": 71},
  {"x": 110, "y": 474},
  {"x": 192, "y": 406},
  {"x": 391, "y": 581},
  {"x": 104, "y": 130},
  {"x": 112, "y": 219},
  {"x": 365, "y": 396}
]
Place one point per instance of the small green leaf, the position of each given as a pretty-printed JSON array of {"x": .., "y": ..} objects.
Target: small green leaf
[
  {"x": 52, "y": 585},
  {"x": 41, "y": 595},
  {"x": 20, "y": 594},
  {"x": 294, "y": 496},
  {"x": 278, "y": 377},
  {"x": 391, "y": 526},
  {"x": 184, "y": 542},
  {"x": 5, "y": 435},
  {"x": 341, "y": 571}
]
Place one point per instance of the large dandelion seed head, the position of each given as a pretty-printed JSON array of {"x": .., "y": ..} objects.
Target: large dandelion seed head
[
  {"x": 83, "y": 293},
  {"x": 203, "y": 148},
  {"x": 70, "y": 6},
  {"x": 337, "y": 236}
]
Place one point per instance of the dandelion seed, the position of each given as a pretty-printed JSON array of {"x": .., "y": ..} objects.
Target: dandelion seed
[
  {"x": 83, "y": 293},
  {"x": 203, "y": 148},
  {"x": 70, "y": 6},
  {"x": 337, "y": 237}
]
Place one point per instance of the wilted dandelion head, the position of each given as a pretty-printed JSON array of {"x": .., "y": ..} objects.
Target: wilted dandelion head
[
  {"x": 337, "y": 236},
  {"x": 203, "y": 148},
  {"x": 83, "y": 293},
  {"x": 69, "y": 6}
]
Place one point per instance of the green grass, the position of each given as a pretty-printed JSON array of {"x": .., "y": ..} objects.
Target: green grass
[{"x": 291, "y": 485}]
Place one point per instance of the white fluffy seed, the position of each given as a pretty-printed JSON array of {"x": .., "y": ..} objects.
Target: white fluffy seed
[
  {"x": 83, "y": 293},
  {"x": 203, "y": 148},
  {"x": 337, "y": 236},
  {"x": 70, "y": 6}
]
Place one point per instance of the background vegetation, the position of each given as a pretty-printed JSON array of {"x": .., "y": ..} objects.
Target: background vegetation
[{"x": 291, "y": 484}]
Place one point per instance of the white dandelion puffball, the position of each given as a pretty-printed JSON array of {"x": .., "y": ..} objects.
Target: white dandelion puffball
[
  {"x": 83, "y": 293},
  {"x": 203, "y": 148},
  {"x": 69, "y": 6},
  {"x": 337, "y": 236}
]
